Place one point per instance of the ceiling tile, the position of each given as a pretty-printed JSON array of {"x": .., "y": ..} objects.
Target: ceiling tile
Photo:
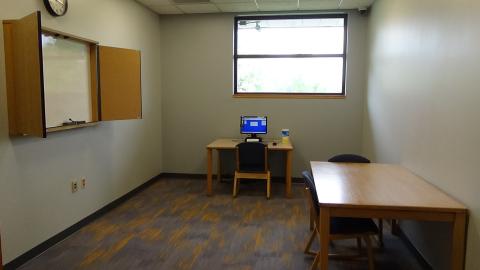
[
  {"x": 198, "y": 8},
  {"x": 170, "y": 7},
  {"x": 277, "y": 5},
  {"x": 354, "y": 4},
  {"x": 190, "y": 2},
  {"x": 277, "y": 1},
  {"x": 232, "y": 1},
  {"x": 166, "y": 9},
  {"x": 318, "y": 5},
  {"x": 155, "y": 2},
  {"x": 237, "y": 7}
]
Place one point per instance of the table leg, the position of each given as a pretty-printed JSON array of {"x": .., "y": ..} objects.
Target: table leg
[
  {"x": 288, "y": 175},
  {"x": 394, "y": 228},
  {"x": 380, "y": 232},
  {"x": 209, "y": 172},
  {"x": 324, "y": 236},
  {"x": 458, "y": 241},
  {"x": 312, "y": 218},
  {"x": 219, "y": 166}
]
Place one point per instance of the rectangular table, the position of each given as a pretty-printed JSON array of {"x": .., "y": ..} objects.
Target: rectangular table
[
  {"x": 230, "y": 144},
  {"x": 384, "y": 191}
]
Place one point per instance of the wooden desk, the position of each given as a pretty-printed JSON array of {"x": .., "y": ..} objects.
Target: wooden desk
[
  {"x": 384, "y": 191},
  {"x": 230, "y": 144}
]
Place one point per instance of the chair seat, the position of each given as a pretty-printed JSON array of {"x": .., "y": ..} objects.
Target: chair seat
[
  {"x": 344, "y": 225},
  {"x": 252, "y": 168}
]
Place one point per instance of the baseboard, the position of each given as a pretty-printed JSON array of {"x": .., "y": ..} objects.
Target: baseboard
[
  {"x": 224, "y": 176},
  {"x": 401, "y": 234},
  {"x": 185, "y": 175},
  {"x": 42, "y": 247}
]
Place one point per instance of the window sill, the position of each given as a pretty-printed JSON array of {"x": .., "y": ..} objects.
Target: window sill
[{"x": 287, "y": 96}]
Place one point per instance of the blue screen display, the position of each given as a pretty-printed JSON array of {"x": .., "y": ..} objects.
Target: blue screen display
[{"x": 253, "y": 125}]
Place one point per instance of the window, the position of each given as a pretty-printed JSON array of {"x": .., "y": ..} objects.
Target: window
[{"x": 290, "y": 55}]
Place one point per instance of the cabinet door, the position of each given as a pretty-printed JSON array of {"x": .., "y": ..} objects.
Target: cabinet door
[
  {"x": 120, "y": 84},
  {"x": 23, "y": 53}
]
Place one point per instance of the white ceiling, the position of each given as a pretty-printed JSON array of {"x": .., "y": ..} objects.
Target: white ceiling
[{"x": 218, "y": 6}]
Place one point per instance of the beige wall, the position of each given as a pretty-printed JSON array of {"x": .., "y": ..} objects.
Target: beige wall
[
  {"x": 423, "y": 106},
  {"x": 197, "y": 85},
  {"x": 35, "y": 174}
]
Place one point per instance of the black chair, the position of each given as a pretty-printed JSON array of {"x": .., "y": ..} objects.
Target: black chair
[
  {"x": 252, "y": 163},
  {"x": 340, "y": 227},
  {"x": 352, "y": 158}
]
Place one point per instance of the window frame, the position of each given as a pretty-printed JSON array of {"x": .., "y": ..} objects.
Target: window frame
[{"x": 236, "y": 56}]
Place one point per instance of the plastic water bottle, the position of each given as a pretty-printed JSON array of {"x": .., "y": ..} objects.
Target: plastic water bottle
[{"x": 285, "y": 135}]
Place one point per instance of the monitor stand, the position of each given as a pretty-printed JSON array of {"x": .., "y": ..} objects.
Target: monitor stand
[{"x": 253, "y": 138}]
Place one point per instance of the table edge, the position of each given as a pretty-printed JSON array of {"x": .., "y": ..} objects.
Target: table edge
[
  {"x": 396, "y": 208},
  {"x": 275, "y": 148}
]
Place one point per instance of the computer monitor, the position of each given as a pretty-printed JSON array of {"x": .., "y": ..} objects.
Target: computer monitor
[{"x": 253, "y": 125}]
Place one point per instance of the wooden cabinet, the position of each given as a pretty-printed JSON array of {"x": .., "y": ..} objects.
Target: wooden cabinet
[
  {"x": 24, "y": 71},
  {"x": 114, "y": 79},
  {"x": 120, "y": 91}
]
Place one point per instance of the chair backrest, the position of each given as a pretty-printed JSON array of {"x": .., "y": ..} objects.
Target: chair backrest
[
  {"x": 252, "y": 157},
  {"x": 310, "y": 184},
  {"x": 351, "y": 158}
]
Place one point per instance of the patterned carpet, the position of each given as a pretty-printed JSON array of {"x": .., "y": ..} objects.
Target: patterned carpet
[{"x": 173, "y": 225}]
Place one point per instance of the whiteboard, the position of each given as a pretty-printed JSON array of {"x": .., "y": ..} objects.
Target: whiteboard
[{"x": 66, "y": 73}]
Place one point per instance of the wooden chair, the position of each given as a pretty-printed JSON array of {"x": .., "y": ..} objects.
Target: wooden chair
[
  {"x": 340, "y": 228},
  {"x": 352, "y": 158},
  {"x": 252, "y": 163}
]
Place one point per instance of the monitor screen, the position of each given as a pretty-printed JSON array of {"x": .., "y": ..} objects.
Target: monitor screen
[{"x": 253, "y": 125}]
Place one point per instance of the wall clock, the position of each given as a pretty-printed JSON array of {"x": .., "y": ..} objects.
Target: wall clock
[{"x": 56, "y": 7}]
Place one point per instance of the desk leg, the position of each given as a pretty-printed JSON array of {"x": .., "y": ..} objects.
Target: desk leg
[
  {"x": 458, "y": 241},
  {"x": 324, "y": 237},
  {"x": 288, "y": 175},
  {"x": 219, "y": 166},
  {"x": 209, "y": 172}
]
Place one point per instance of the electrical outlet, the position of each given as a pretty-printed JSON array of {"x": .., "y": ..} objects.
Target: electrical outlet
[
  {"x": 83, "y": 182},
  {"x": 74, "y": 186}
]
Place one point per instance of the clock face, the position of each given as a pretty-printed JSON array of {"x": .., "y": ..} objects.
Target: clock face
[{"x": 56, "y": 7}]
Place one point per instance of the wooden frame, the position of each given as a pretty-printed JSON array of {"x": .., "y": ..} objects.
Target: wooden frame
[
  {"x": 458, "y": 232},
  {"x": 25, "y": 79},
  {"x": 316, "y": 233},
  {"x": 307, "y": 95},
  {"x": 117, "y": 77},
  {"x": 93, "y": 70},
  {"x": 285, "y": 96},
  {"x": 64, "y": 128},
  {"x": 389, "y": 192},
  {"x": 94, "y": 91}
]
